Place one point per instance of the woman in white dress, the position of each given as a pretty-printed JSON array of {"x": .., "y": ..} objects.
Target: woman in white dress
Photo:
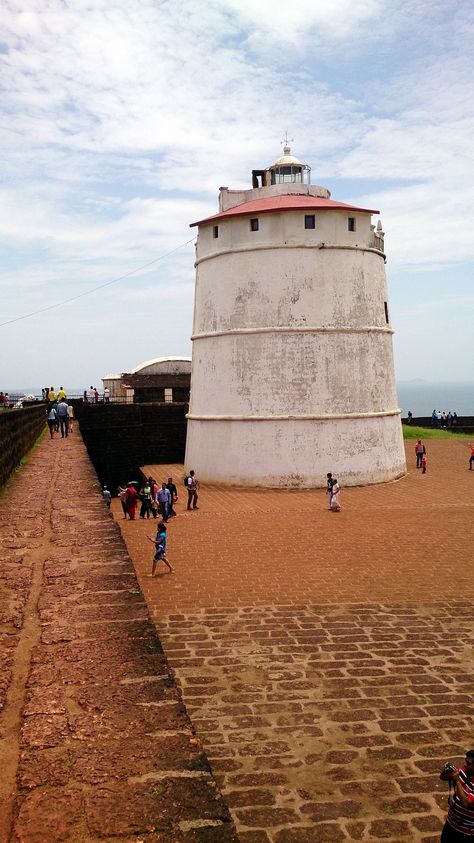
[{"x": 335, "y": 501}]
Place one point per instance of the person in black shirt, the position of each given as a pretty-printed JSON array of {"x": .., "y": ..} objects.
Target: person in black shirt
[
  {"x": 174, "y": 495},
  {"x": 329, "y": 484}
]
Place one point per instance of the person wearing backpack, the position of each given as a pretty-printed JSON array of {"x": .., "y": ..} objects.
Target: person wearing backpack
[{"x": 192, "y": 485}]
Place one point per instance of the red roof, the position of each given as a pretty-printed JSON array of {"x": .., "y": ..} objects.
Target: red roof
[{"x": 287, "y": 202}]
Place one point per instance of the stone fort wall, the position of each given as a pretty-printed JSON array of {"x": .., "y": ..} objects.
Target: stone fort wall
[
  {"x": 19, "y": 430},
  {"x": 122, "y": 437}
]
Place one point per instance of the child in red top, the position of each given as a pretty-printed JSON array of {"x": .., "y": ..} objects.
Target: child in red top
[{"x": 423, "y": 464}]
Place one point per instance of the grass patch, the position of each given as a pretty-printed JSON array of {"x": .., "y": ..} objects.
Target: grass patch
[{"x": 412, "y": 431}]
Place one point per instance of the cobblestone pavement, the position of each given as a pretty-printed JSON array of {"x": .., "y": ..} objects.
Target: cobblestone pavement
[
  {"x": 325, "y": 659},
  {"x": 95, "y": 741}
]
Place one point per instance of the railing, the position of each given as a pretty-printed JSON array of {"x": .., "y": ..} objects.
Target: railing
[{"x": 378, "y": 241}]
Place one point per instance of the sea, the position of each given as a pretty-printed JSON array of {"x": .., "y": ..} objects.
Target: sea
[
  {"x": 419, "y": 396},
  {"x": 422, "y": 397}
]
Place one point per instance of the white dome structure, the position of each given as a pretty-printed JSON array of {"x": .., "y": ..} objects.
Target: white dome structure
[
  {"x": 293, "y": 372},
  {"x": 162, "y": 365}
]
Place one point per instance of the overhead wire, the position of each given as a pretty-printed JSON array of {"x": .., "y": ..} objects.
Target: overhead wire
[{"x": 94, "y": 289}]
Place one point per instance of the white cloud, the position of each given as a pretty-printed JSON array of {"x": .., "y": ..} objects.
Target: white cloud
[
  {"x": 121, "y": 120},
  {"x": 336, "y": 19}
]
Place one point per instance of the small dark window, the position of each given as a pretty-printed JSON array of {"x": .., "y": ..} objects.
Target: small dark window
[
  {"x": 386, "y": 311},
  {"x": 309, "y": 221},
  {"x": 254, "y": 224},
  {"x": 351, "y": 224},
  {"x": 215, "y": 231}
]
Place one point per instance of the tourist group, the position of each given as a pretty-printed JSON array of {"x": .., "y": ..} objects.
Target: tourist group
[
  {"x": 60, "y": 413},
  {"x": 155, "y": 500}
]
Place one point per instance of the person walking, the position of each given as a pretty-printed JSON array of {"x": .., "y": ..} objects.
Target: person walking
[
  {"x": 106, "y": 394},
  {"x": 160, "y": 549},
  {"x": 173, "y": 494},
  {"x": 471, "y": 458},
  {"x": 164, "y": 501},
  {"x": 329, "y": 485},
  {"x": 192, "y": 485},
  {"x": 52, "y": 415},
  {"x": 131, "y": 501},
  {"x": 409, "y": 417},
  {"x": 154, "y": 504},
  {"x": 335, "y": 497},
  {"x": 61, "y": 393},
  {"x": 107, "y": 497},
  {"x": 423, "y": 463},
  {"x": 63, "y": 419},
  {"x": 122, "y": 494},
  {"x": 419, "y": 451},
  {"x": 145, "y": 497},
  {"x": 70, "y": 416}
]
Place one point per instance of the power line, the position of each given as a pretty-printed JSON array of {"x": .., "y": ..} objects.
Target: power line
[{"x": 94, "y": 289}]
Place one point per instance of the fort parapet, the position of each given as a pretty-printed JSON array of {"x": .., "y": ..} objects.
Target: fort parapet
[
  {"x": 120, "y": 438},
  {"x": 19, "y": 430}
]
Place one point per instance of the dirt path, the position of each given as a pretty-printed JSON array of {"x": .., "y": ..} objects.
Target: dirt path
[
  {"x": 96, "y": 744},
  {"x": 326, "y": 660}
]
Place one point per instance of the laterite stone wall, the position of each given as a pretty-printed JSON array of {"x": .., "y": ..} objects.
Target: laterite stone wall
[
  {"x": 122, "y": 437},
  {"x": 19, "y": 430}
]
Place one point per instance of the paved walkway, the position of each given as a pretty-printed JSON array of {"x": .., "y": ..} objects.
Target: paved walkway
[
  {"x": 326, "y": 659},
  {"x": 95, "y": 742}
]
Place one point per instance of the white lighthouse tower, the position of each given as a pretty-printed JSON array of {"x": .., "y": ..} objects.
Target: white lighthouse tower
[{"x": 292, "y": 372}]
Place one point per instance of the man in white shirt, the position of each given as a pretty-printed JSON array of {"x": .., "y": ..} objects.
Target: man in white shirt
[{"x": 192, "y": 485}]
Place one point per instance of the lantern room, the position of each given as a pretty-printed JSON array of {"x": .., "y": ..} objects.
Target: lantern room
[{"x": 286, "y": 170}]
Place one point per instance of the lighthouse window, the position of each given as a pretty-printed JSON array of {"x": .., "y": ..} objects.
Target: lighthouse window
[
  {"x": 351, "y": 224},
  {"x": 309, "y": 221},
  {"x": 386, "y": 311},
  {"x": 254, "y": 224},
  {"x": 215, "y": 231}
]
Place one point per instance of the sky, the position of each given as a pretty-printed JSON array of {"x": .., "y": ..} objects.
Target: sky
[{"x": 120, "y": 119}]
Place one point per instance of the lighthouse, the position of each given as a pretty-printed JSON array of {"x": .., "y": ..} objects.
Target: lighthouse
[{"x": 292, "y": 367}]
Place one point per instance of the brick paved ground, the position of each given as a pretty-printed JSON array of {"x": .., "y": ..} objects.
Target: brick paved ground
[
  {"x": 94, "y": 739},
  {"x": 325, "y": 659}
]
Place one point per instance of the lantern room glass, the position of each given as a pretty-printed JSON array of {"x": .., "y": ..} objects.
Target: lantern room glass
[{"x": 290, "y": 174}]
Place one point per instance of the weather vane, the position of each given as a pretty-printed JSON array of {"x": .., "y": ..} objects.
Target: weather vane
[{"x": 286, "y": 140}]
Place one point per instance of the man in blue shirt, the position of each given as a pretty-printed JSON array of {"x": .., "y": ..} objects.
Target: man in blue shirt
[
  {"x": 63, "y": 418},
  {"x": 164, "y": 500}
]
